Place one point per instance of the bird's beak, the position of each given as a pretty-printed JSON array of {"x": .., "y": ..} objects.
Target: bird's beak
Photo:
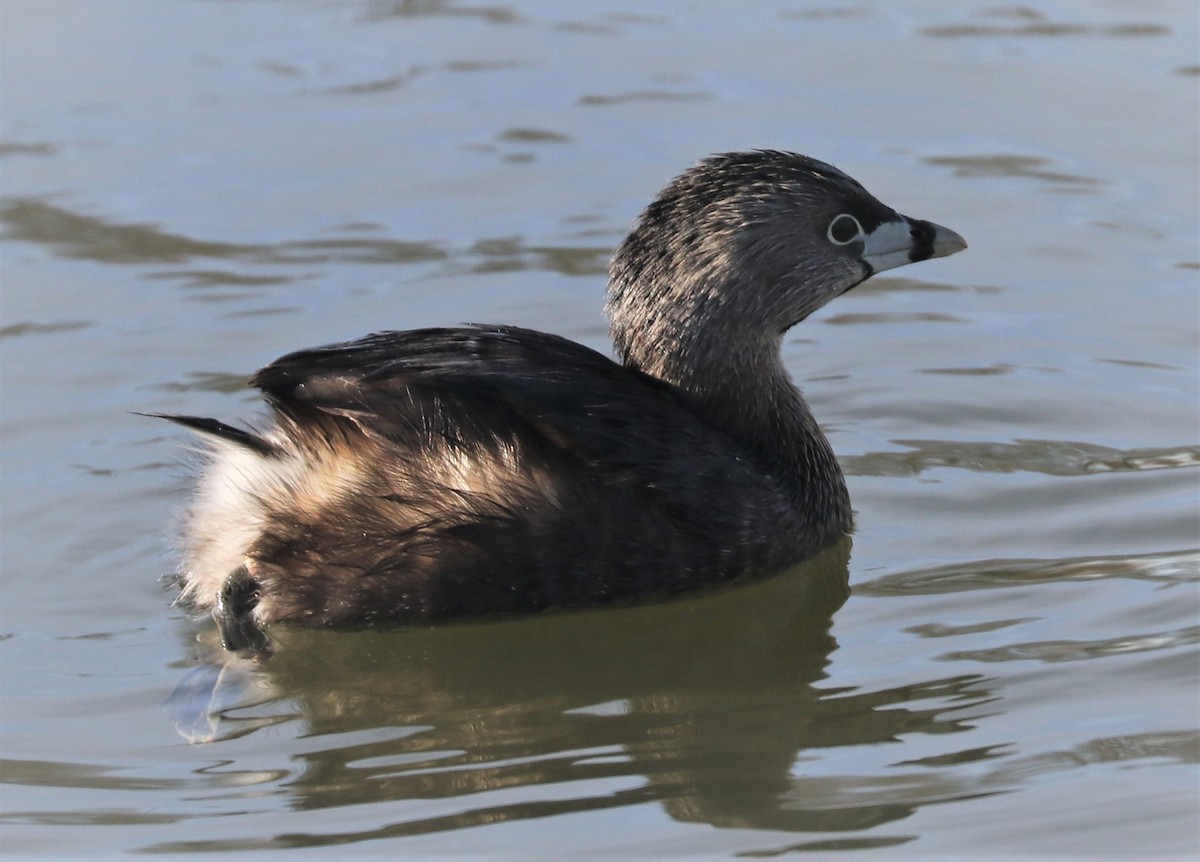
[{"x": 908, "y": 240}]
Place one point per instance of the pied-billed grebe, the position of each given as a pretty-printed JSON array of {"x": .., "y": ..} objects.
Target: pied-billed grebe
[{"x": 446, "y": 473}]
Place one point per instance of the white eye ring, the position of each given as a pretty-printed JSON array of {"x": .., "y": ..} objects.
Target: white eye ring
[{"x": 839, "y": 227}]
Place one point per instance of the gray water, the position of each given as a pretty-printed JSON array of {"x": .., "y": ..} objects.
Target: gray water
[{"x": 191, "y": 188}]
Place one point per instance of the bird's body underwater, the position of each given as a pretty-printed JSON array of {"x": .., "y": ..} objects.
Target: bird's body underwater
[{"x": 447, "y": 473}]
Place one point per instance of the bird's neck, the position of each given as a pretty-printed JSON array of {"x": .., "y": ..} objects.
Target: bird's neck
[{"x": 737, "y": 383}]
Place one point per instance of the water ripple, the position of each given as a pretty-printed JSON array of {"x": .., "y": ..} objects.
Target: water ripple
[
  {"x": 1051, "y": 457},
  {"x": 1010, "y": 166},
  {"x": 1022, "y": 21},
  {"x": 30, "y": 328},
  {"x": 1178, "y": 567},
  {"x": 73, "y": 235},
  {"x": 1076, "y": 650}
]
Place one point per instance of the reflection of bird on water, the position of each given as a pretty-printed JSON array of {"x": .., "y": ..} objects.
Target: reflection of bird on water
[{"x": 716, "y": 707}]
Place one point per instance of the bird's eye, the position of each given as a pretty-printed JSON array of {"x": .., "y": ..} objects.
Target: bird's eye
[{"x": 844, "y": 229}]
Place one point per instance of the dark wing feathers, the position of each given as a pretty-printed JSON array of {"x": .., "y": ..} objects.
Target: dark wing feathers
[
  {"x": 218, "y": 429},
  {"x": 477, "y": 352},
  {"x": 485, "y": 381},
  {"x": 542, "y": 377}
]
